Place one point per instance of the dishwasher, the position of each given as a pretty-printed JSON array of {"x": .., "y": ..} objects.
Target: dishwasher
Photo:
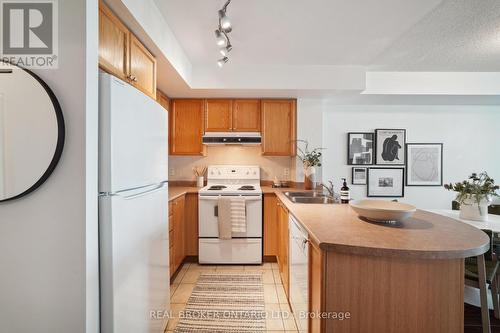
[{"x": 299, "y": 273}]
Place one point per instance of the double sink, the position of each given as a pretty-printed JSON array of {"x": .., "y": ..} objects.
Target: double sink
[{"x": 313, "y": 197}]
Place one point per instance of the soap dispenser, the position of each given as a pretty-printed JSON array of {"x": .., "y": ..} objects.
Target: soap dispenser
[{"x": 345, "y": 195}]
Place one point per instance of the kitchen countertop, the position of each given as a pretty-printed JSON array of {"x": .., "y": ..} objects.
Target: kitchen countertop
[
  {"x": 176, "y": 191},
  {"x": 425, "y": 235},
  {"x": 337, "y": 227}
]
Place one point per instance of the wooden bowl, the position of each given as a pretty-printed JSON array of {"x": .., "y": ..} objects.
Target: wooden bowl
[{"x": 383, "y": 211}]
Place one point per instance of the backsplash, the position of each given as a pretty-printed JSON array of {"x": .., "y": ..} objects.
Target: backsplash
[{"x": 271, "y": 166}]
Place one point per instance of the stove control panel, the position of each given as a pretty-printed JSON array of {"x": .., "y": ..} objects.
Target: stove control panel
[{"x": 233, "y": 172}]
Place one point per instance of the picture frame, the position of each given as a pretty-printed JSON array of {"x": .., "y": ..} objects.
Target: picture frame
[
  {"x": 360, "y": 148},
  {"x": 359, "y": 176},
  {"x": 424, "y": 164},
  {"x": 390, "y": 146},
  {"x": 385, "y": 182}
]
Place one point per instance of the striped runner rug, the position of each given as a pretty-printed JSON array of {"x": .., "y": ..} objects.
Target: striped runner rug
[{"x": 223, "y": 303}]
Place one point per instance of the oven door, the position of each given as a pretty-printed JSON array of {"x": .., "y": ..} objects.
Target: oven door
[{"x": 208, "y": 217}]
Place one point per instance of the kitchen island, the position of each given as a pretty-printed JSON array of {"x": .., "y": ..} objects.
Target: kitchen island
[{"x": 407, "y": 277}]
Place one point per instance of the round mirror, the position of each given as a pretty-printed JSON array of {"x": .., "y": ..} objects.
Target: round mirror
[{"x": 31, "y": 132}]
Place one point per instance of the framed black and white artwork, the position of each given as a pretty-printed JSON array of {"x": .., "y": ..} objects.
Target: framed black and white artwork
[
  {"x": 390, "y": 146},
  {"x": 385, "y": 182},
  {"x": 424, "y": 164},
  {"x": 360, "y": 148},
  {"x": 359, "y": 176}
]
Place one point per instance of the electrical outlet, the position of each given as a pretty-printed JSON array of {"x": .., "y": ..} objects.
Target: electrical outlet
[
  {"x": 286, "y": 172},
  {"x": 171, "y": 172}
]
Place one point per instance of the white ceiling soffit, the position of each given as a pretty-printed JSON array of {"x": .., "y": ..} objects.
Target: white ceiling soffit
[{"x": 297, "y": 48}]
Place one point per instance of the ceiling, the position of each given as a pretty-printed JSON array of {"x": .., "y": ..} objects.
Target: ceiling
[
  {"x": 294, "y": 32},
  {"x": 459, "y": 35},
  {"x": 323, "y": 48}
]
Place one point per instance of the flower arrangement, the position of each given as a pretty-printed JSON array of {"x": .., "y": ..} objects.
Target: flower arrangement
[
  {"x": 477, "y": 186},
  {"x": 309, "y": 158}
]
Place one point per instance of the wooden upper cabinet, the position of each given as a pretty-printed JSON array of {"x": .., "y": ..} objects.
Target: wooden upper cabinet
[
  {"x": 113, "y": 43},
  {"x": 186, "y": 127},
  {"x": 163, "y": 100},
  {"x": 278, "y": 127},
  {"x": 218, "y": 115},
  {"x": 123, "y": 55},
  {"x": 142, "y": 67},
  {"x": 246, "y": 115}
]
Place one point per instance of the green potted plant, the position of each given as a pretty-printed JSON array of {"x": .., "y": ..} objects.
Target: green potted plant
[
  {"x": 474, "y": 196},
  {"x": 310, "y": 160}
]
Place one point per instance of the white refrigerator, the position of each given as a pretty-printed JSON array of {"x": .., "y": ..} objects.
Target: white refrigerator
[{"x": 133, "y": 210}]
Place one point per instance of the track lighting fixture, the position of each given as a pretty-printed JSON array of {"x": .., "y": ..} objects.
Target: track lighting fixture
[
  {"x": 221, "y": 34},
  {"x": 222, "y": 61}
]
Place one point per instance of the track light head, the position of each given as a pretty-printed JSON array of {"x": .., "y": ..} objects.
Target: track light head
[
  {"x": 220, "y": 39},
  {"x": 225, "y": 22},
  {"x": 222, "y": 61},
  {"x": 225, "y": 50}
]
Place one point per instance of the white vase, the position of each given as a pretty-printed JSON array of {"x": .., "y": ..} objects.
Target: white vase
[{"x": 470, "y": 209}]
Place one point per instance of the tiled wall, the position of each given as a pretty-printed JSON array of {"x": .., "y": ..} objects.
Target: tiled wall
[{"x": 238, "y": 155}]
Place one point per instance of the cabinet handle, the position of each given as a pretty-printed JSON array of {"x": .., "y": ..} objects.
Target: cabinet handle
[{"x": 132, "y": 78}]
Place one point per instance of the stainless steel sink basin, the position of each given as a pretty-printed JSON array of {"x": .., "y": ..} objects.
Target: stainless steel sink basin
[{"x": 309, "y": 197}]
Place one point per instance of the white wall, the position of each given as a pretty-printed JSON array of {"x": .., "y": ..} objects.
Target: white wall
[
  {"x": 47, "y": 283},
  {"x": 470, "y": 134}
]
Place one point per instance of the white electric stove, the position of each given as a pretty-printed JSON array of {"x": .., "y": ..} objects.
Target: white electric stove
[{"x": 230, "y": 181}]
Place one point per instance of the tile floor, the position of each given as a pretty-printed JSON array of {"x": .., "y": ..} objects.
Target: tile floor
[{"x": 274, "y": 294}]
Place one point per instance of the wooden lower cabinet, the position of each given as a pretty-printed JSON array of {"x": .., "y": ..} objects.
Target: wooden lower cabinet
[
  {"x": 271, "y": 225},
  {"x": 191, "y": 225},
  {"x": 183, "y": 229},
  {"x": 283, "y": 253},
  {"x": 316, "y": 286},
  {"x": 176, "y": 220}
]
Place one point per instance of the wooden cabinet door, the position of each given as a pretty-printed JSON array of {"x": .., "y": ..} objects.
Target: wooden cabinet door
[
  {"x": 218, "y": 115},
  {"x": 186, "y": 127},
  {"x": 113, "y": 43},
  {"x": 163, "y": 100},
  {"x": 246, "y": 115},
  {"x": 283, "y": 246},
  {"x": 316, "y": 290},
  {"x": 271, "y": 225},
  {"x": 191, "y": 225},
  {"x": 278, "y": 127},
  {"x": 178, "y": 231},
  {"x": 142, "y": 67}
]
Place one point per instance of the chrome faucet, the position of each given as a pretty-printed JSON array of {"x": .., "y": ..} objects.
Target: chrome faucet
[{"x": 331, "y": 192}]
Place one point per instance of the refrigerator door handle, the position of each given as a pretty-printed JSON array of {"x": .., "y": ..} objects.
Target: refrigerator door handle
[
  {"x": 135, "y": 195},
  {"x": 154, "y": 189}
]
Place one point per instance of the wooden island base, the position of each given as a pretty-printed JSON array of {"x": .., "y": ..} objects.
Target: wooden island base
[{"x": 397, "y": 294}]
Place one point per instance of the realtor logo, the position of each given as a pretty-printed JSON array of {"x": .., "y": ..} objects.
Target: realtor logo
[{"x": 29, "y": 33}]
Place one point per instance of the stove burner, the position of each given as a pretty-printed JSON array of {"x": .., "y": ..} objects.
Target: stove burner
[
  {"x": 246, "y": 188},
  {"x": 216, "y": 187}
]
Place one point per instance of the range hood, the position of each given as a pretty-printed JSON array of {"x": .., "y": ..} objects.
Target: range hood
[{"x": 232, "y": 138}]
